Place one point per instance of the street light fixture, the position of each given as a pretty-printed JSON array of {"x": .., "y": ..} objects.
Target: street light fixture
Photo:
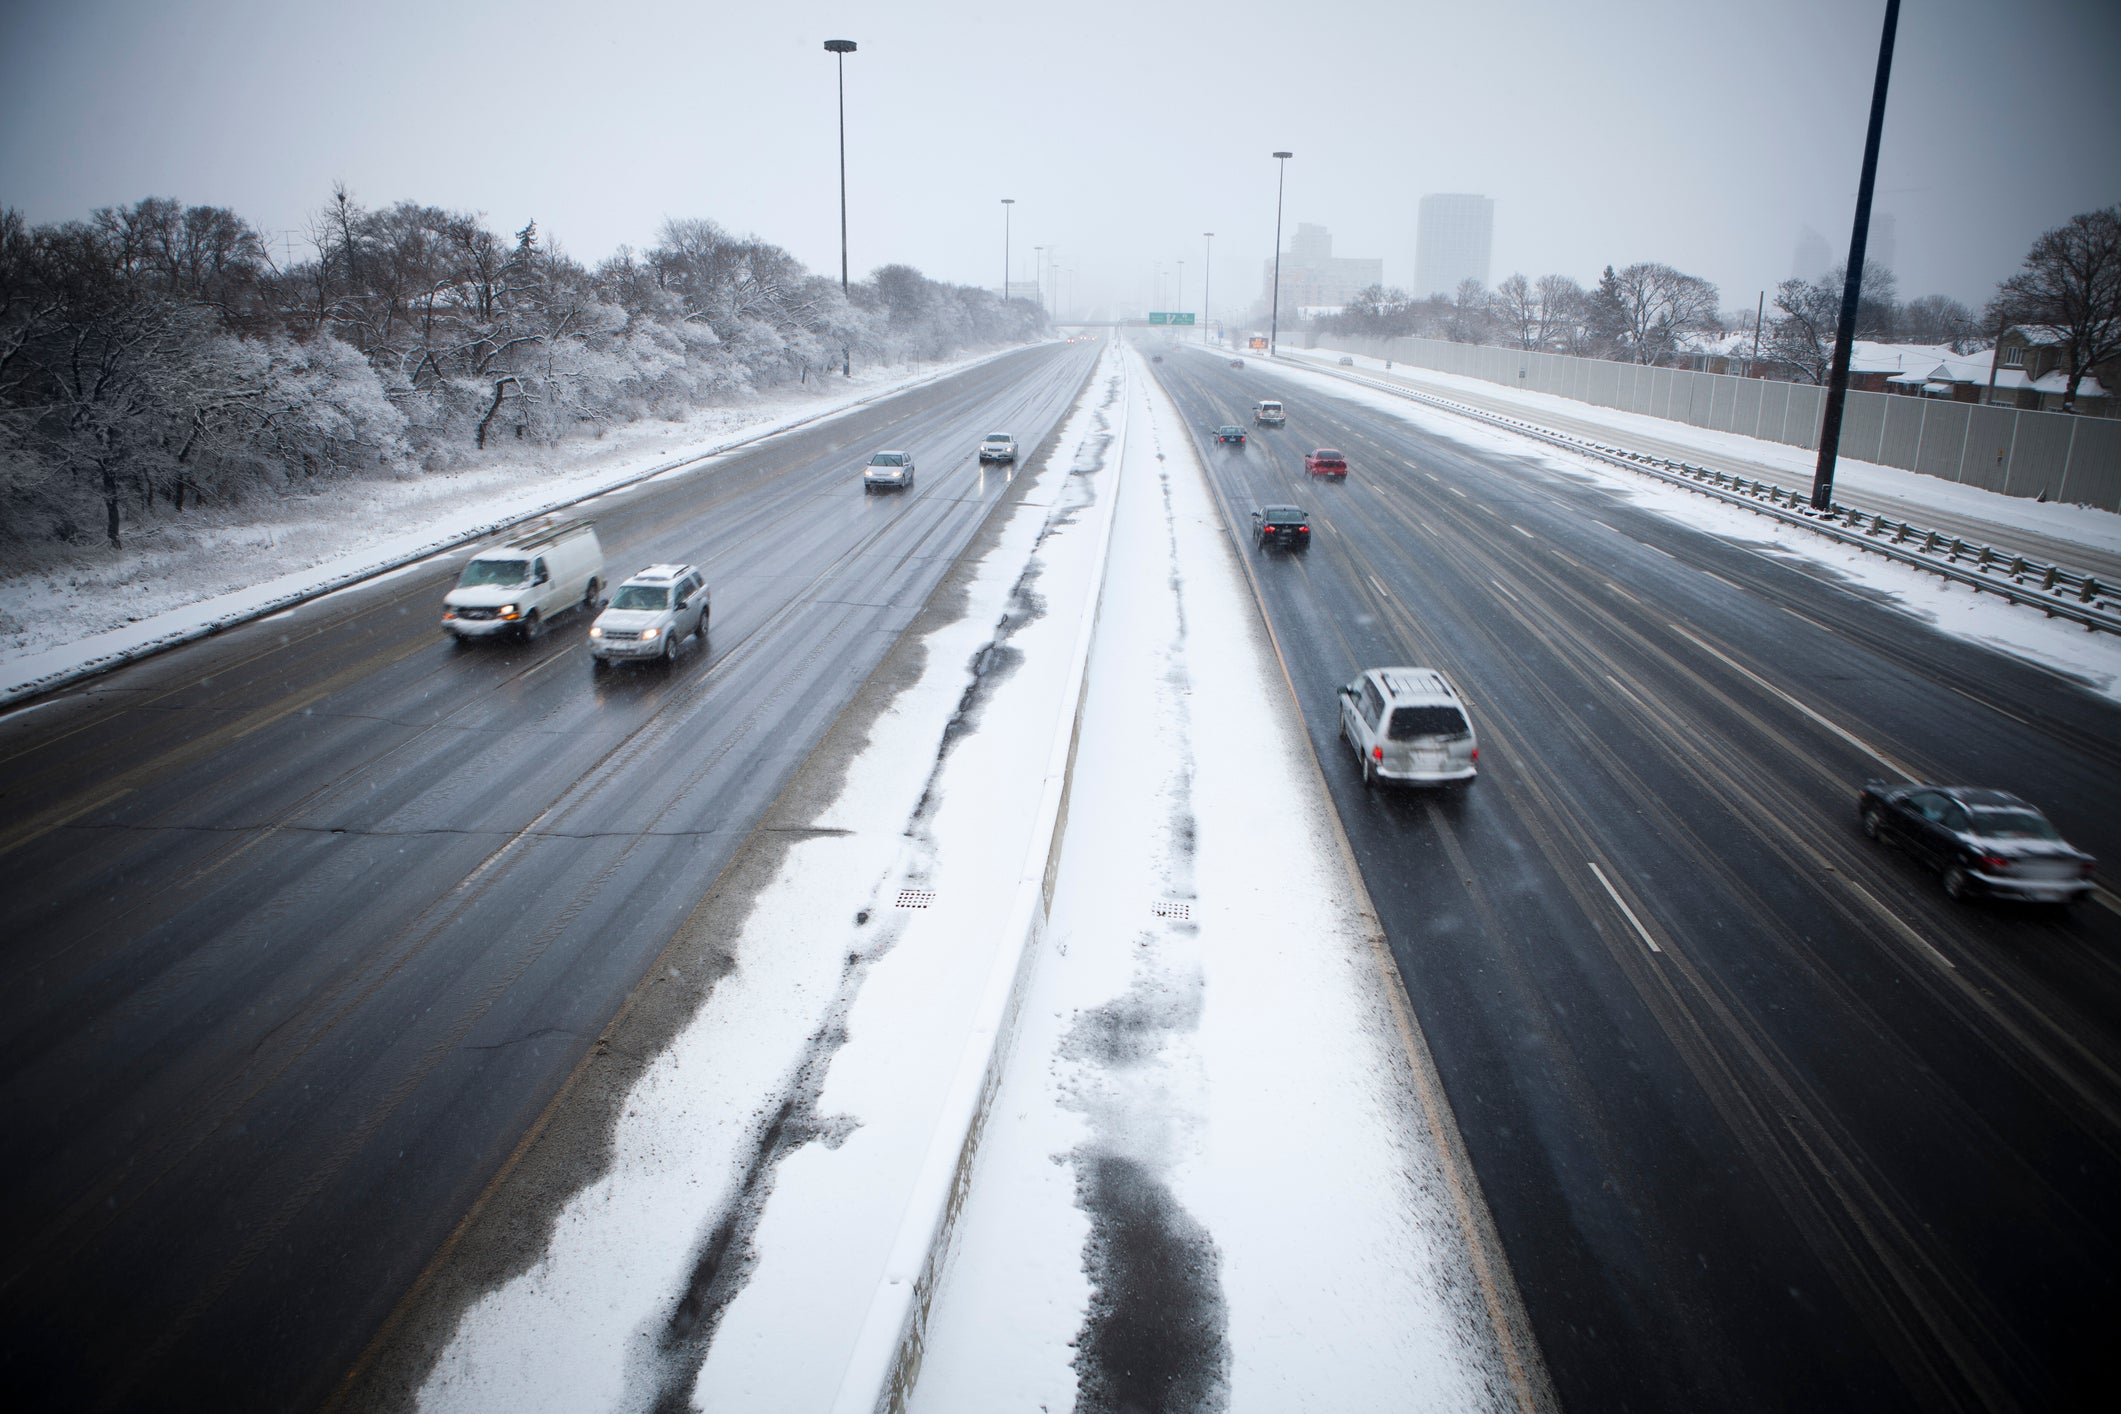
[
  {"x": 840, "y": 49},
  {"x": 1206, "y": 275},
  {"x": 1007, "y": 202},
  {"x": 1274, "y": 325}
]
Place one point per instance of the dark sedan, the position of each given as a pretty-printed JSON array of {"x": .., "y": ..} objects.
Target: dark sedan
[
  {"x": 1230, "y": 432},
  {"x": 1286, "y": 526},
  {"x": 1986, "y": 842}
]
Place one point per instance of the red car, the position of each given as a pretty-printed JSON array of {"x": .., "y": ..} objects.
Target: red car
[{"x": 1325, "y": 462}]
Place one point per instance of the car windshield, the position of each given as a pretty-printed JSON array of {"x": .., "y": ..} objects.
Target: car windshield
[
  {"x": 1411, "y": 722},
  {"x": 494, "y": 572},
  {"x": 888, "y": 459},
  {"x": 997, "y": 436},
  {"x": 1326, "y": 454},
  {"x": 1283, "y": 513},
  {"x": 641, "y": 596},
  {"x": 2013, "y": 825}
]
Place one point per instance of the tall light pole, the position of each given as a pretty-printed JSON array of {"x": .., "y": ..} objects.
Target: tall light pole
[
  {"x": 1038, "y": 268},
  {"x": 1274, "y": 325},
  {"x": 1007, "y": 202},
  {"x": 1837, "y": 385},
  {"x": 1207, "y": 274},
  {"x": 840, "y": 49}
]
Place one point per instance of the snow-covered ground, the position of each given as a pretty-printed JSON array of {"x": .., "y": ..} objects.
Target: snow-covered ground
[
  {"x": 215, "y": 566},
  {"x": 2082, "y": 525},
  {"x": 2093, "y": 658}
]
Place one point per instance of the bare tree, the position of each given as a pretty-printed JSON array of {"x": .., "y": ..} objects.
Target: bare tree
[
  {"x": 1558, "y": 309},
  {"x": 1517, "y": 307},
  {"x": 1472, "y": 314},
  {"x": 2071, "y": 283},
  {"x": 1649, "y": 306},
  {"x": 1939, "y": 319}
]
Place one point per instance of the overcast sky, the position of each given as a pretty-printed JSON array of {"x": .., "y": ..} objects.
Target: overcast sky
[{"x": 1704, "y": 134}]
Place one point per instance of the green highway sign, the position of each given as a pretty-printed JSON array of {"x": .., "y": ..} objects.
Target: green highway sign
[{"x": 1159, "y": 316}]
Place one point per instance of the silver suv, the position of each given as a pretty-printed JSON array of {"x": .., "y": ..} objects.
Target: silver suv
[
  {"x": 888, "y": 469},
  {"x": 1408, "y": 724},
  {"x": 648, "y": 614}
]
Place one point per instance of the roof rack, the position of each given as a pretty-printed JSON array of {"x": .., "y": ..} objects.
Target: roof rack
[{"x": 545, "y": 532}]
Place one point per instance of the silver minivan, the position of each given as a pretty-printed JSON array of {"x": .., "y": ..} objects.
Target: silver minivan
[
  {"x": 648, "y": 614},
  {"x": 1408, "y": 724}
]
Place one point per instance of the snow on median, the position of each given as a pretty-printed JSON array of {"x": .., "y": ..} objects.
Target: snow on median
[{"x": 1211, "y": 1176}]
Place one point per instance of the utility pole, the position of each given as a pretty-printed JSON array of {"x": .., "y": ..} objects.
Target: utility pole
[
  {"x": 1845, "y": 333},
  {"x": 1759, "y": 312},
  {"x": 1274, "y": 323}
]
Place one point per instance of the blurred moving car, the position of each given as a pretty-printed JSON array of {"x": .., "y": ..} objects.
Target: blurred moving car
[
  {"x": 1230, "y": 432},
  {"x": 1286, "y": 526},
  {"x": 997, "y": 447},
  {"x": 1346, "y": 362},
  {"x": 1237, "y": 363},
  {"x": 1267, "y": 412},
  {"x": 1408, "y": 724},
  {"x": 515, "y": 586},
  {"x": 648, "y": 614},
  {"x": 1985, "y": 842},
  {"x": 889, "y": 470},
  {"x": 1325, "y": 462}
]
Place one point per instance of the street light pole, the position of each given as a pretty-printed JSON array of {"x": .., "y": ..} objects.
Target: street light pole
[
  {"x": 1837, "y": 387},
  {"x": 840, "y": 49},
  {"x": 1007, "y": 202},
  {"x": 1274, "y": 325},
  {"x": 1038, "y": 268},
  {"x": 1207, "y": 274}
]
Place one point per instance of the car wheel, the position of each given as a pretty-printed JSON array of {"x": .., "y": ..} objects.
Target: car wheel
[
  {"x": 1957, "y": 885},
  {"x": 589, "y": 595},
  {"x": 699, "y": 630},
  {"x": 1369, "y": 769},
  {"x": 670, "y": 651},
  {"x": 458, "y": 642},
  {"x": 598, "y": 666},
  {"x": 532, "y": 627},
  {"x": 1873, "y": 822}
]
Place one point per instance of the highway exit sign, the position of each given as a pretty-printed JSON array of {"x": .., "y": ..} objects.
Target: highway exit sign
[{"x": 1160, "y": 316}]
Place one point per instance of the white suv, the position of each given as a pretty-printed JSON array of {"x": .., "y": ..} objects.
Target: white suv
[
  {"x": 997, "y": 447},
  {"x": 890, "y": 469},
  {"x": 1408, "y": 724},
  {"x": 648, "y": 614}
]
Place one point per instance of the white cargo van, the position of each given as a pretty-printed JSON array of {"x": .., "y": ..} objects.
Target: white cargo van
[
  {"x": 1267, "y": 413},
  {"x": 517, "y": 585}
]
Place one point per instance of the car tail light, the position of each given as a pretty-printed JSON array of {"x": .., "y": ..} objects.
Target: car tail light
[
  {"x": 2085, "y": 868},
  {"x": 1303, "y": 530},
  {"x": 1476, "y": 753},
  {"x": 1995, "y": 862},
  {"x": 1377, "y": 753}
]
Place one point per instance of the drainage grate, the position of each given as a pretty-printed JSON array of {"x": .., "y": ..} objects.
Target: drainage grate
[
  {"x": 915, "y": 898},
  {"x": 1172, "y": 908}
]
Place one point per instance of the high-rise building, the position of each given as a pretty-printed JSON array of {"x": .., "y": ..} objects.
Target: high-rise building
[
  {"x": 1453, "y": 242},
  {"x": 1813, "y": 257}
]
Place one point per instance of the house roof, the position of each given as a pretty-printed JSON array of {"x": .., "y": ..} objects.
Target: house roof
[
  {"x": 2046, "y": 335},
  {"x": 2058, "y": 382}
]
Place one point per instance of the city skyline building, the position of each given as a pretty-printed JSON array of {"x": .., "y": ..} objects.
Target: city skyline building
[
  {"x": 1313, "y": 277},
  {"x": 1454, "y": 240}
]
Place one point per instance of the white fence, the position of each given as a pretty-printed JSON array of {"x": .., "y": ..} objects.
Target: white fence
[{"x": 2033, "y": 454}]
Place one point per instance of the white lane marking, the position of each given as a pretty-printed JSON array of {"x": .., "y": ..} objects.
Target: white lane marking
[
  {"x": 1905, "y": 929},
  {"x": 1622, "y": 592},
  {"x": 1602, "y": 525},
  {"x": 1503, "y": 592},
  {"x": 1379, "y": 586},
  {"x": 1666, "y": 553},
  {"x": 1433, "y": 477},
  {"x": 1626, "y": 692},
  {"x": 1622, "y": 904},
  {"x": 1522, "y": 531},
  {"x": 1455, "y": 491},
  {"x": 1846, "y": 735}
]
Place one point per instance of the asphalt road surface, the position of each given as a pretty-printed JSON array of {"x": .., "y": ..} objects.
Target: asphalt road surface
[
  {"x": 305, "y": 924},
  {"x": 1765, "y": 1121}
]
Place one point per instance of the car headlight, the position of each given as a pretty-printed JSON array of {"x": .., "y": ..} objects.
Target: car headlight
[
  {"x": 508, "y": 611},
  {"x": 596, "y": 630},
  {"x": 648, "y": 633}
]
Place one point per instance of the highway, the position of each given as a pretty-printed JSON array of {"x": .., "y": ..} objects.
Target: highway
[
  {"x": 307, "y": 923},
  {"x": 1765, "y": 1121}
]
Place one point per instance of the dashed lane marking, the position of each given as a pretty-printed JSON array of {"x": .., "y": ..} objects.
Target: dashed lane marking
[
  {"x": 1846, "y": 735},
  {"x": 1622, "y": 905}
]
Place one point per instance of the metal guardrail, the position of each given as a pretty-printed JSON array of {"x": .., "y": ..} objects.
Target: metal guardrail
[{"x": 2056, "y": 590}]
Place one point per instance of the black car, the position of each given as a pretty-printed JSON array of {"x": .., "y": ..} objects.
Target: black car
[
  {"x": 1230, "y": 432},
  {"x": 1985, "y": 841},
  {"x": 1237, "y": 363},
  {"x": 1286, "y": 526}
]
